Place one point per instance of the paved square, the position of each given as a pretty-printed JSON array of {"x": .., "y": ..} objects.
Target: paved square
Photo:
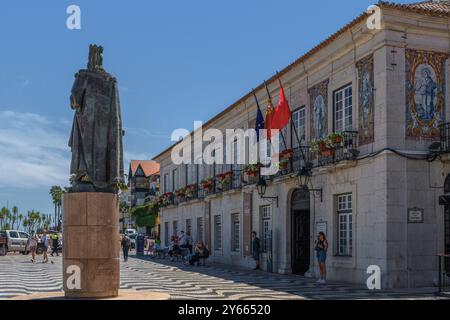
[{"x": 18, "y": 276}]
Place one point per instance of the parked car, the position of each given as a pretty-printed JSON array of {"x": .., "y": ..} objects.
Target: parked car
[
  {"x": 3, "y": 242},
  {"x": 16, "y": 241},
  {"x": 133, "y": 240},
  {"x": 130, "y": 232}
]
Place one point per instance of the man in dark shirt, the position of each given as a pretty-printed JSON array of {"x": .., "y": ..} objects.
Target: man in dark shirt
[{"x": 256, "y": 249}]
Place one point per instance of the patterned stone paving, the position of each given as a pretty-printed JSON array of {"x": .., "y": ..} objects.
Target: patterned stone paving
[{"x": 18, "y": 276}]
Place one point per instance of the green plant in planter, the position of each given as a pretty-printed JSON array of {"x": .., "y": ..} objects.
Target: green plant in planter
[{"x": 252, "y": 170}]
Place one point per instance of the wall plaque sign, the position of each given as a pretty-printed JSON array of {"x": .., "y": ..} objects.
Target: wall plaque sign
[{"x": 416, "y": 215}]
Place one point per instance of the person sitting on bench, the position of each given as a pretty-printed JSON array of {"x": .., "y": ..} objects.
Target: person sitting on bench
[{"x": 200, "y": 251}]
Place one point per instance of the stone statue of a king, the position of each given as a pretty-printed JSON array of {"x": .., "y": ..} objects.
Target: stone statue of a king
[{"x": 96, "y": 138}]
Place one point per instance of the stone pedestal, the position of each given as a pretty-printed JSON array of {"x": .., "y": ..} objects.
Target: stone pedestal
[{"x": 91, "y": 245}]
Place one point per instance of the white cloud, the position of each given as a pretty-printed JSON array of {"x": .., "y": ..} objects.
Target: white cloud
[
  {"x": 144, "y": 133},
  {"x": 33, "y": 151},
  {"x": 128, "y": 156}
]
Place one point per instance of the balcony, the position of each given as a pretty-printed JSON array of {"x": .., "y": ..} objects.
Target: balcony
[
  {"x": 228, "y": 181},
  {"x": 347, "y": 149}
]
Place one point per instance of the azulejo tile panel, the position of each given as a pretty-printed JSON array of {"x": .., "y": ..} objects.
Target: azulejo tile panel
[
  {"x": 425, "y": 93},
  {"x": 366, "y": 101},
  {"x": 318, "y": 95}
]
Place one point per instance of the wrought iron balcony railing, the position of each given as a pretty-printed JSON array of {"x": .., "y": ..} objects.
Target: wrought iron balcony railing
[{"x": 348, "y": 150}]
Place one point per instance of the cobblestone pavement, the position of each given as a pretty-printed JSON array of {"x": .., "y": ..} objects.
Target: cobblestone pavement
[{"x": 18, "y": 276}]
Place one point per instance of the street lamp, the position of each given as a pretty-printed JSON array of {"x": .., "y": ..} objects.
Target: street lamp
[
  {"x": 304, "y": 177},
  {"x": 262, "y": 186}
]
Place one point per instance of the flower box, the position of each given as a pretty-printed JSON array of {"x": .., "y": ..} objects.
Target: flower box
[
  {"x": 190, "y": 191},
  {"x": 207, "y": 184},
  {"x": 252, "y": 170},
  {"x": 287, "y": 154},
  {"x": 283, "y": 165}
]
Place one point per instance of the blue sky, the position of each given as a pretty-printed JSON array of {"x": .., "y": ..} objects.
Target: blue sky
[{"x": 176, "y": 62}]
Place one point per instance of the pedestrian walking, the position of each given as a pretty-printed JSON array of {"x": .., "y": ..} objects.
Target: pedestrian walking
[
  {"x": 44, "y": 241},
  {"x": 256, "y": 249},
  {"x": 32, "y": 245},
  {"x": 55, "y": 240},
  {"x": 321, "y": 247},
  {"x": 126, "y": 244}
]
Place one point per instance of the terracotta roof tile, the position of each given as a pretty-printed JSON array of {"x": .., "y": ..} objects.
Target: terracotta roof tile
[
  {"x": 149, "y": 167},
  {"x": 424, "y": 7}
]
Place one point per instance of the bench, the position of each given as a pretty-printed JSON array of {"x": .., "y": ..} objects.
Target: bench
[{"x": 181, "y": 254}]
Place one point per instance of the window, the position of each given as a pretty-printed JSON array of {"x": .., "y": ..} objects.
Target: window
[
  {"x": 175, "y": 228},
  {"x": 166, "y": 182},
  {"x": 189, "y": 226},
  {"x": 174, "y": 180},
  {"x": 200, "y": 229},
  {"x": 266, "y": 234},
  {"x": 13, "y": 234},
  {"x": 299, "y": 126},
  {"x": 345, "y": 225},
  {"x": 166, "y": 234},
  {"x": 23, "y": 235},
  {"x": 217, "y": 233},
  {"x": 235, "y": 236},
  {"x": 343, "y": 116},
  {"x": 234, "y": 165}
]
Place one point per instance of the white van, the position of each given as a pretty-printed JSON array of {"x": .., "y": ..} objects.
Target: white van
[
  {"x": 17, "y": 241},
  {"x": 130, "y": 232}
]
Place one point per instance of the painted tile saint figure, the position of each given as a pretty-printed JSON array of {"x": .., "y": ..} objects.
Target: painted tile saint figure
[
  {"x": 366, "y": 96},
  {"x": 318, "y": 95},
  {"x": 425, "y": 92},
  {"x": 366, "y": 101},
  {"x": 319, "y": 116},
  {"x": 96, "y": 138}
]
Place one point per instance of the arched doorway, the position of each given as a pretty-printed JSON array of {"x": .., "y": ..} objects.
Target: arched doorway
[{"x": 300, "y": 231}]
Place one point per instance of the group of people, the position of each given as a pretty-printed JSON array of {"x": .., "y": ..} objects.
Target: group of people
[
  {"x": 33, "y": 242},
  {"x": 177, "y": 243},
  {"x": 184, "y": 241}
]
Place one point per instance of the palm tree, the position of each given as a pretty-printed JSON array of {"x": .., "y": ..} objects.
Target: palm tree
[
  {"x": 56, "y": 192},
  {"x": 20, "y": 218},
  {"x": 2, "y": 217},
  {"x": 14, "y": 217}
]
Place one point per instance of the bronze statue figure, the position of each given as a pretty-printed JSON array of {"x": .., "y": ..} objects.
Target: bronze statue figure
[{"x": 96, "y": 139}]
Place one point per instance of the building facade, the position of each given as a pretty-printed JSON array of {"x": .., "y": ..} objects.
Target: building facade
[
  {"x": 143, "y": 181},
  {"x": 375, "y": 193}
]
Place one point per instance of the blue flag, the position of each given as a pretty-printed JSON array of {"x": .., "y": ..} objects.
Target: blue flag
[{"x": 259, "y": 118}]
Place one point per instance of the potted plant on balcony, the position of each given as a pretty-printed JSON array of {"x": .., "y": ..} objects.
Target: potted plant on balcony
[
  {"x": 322, "y": 146},
  {"x": 190, "y": 191},
  {"x": 252, "y": 170},
  {"x": 336, "y": 139},
  {"x": 224, "y": 179},
  {"x": 168, "y": 199},
  {"x": 283, "y": 164},
  {"x": 287, "y": 154},
  {"x": 207, "y": 184},
  {"x": 180, "y": 193}
]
